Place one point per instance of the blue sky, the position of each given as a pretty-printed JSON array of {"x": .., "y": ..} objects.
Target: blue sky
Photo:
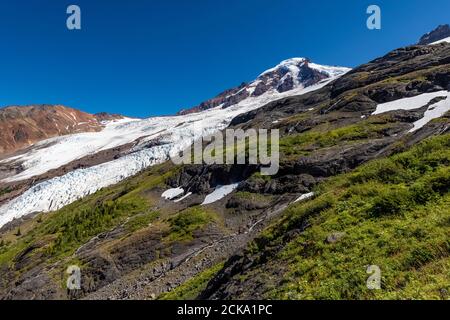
[{"x": 148, "y": 57}]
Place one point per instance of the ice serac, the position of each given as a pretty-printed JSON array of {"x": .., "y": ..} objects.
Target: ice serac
[{"x": 155, "y": 139}]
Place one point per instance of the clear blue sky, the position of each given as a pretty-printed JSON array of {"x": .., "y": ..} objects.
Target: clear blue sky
[{"x": 152, "y": 57}]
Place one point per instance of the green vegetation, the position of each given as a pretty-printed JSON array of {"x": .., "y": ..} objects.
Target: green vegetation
[
  {"x": 141, "y": 221},
  {"x": 5, "y": 191},
  {"x": 258, "y": 176},
  {"x": 190, "y": 289},
  {"x": 187, "y": 221},
  {"x": 59, "y": 234},
  {"x": 393, "y": 213},
  {"x": 303, "y": 143},
  {"x": 78, "y": 226},
  {"x": 3, "y": 246}
]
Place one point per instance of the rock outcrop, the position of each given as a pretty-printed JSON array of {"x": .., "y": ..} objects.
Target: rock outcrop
[{"x": 441, "y": 32}]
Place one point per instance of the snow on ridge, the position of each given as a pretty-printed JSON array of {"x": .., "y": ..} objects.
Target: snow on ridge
[
  {"x": 179, "y": 131},
  {"x": 294, "y": 63},
  {"x": 408, "y": 103},
  {"x": 331, "y": 71},
  {"x": 435, "y": 110},
  {"x": 285, "y": 63},
  {"x": 441, "y": 41}
]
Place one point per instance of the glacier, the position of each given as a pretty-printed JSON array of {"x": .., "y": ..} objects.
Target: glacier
[{"x": 174, "y": 134}]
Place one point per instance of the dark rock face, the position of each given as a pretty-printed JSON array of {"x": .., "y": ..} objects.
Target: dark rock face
[
  {"x": 441, "y": 32},
  {"x": 203, "y": 179},
  {"x": 309, "y": 76},
  {"x": 287, "y": 85}
]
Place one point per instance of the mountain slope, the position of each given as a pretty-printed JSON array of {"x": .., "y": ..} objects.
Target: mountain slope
[
  {"x": 151, "y": 141},
  {"x": 392, "y": 213},
  {"x": 363, "y": 180},
  {"x": 23, "y": 126}
]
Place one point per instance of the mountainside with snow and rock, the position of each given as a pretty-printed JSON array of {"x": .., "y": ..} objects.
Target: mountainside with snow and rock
[
  {"x": 363, "y": 180},
  {"x": 295, "y": 73},
  {"x": 151, "y": 141}
]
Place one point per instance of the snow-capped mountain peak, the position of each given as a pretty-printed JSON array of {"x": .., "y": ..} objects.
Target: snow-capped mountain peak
[
  {"x": 290, "y": 74},
  {"x": 286, "y": 64}
]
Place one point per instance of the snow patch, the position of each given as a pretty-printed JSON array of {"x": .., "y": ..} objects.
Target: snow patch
[
  {"x": 172, "y": 193},
  {"x": 304, "y": 197},
  {"x": 183, "y": 197},
  {"x": 330, "y": 71},
  {"x": 409, "y": 103},
  {"x": 441, "y": 41},
  {"x": 219, "y": 193},
  {"x": 435, "y": 110}
]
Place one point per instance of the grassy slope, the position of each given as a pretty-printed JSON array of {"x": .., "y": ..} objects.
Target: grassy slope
[
  {"x": 324, "y": 136},
  {"x": 394, "y": 213}
]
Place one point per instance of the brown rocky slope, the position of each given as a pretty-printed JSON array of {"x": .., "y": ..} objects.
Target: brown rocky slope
[{"x": 21, "y": 126}]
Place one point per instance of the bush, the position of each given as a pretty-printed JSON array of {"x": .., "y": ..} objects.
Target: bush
[
  {"x": 384, "y": 170},
  {"x": 391, "y": 201},
  {"x": 425, "y": 254}
]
